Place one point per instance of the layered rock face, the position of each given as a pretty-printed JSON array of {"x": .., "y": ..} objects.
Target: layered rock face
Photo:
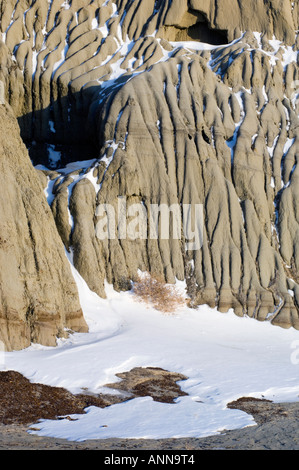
[
  {"x": 160, "y": 121},
  {"x": 38, "y": 296}
]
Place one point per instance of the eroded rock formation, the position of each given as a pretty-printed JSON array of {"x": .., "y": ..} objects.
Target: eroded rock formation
[
  {"x": 38, "y": 295},
  {"x": 54, "y": 57},
  {"x": 161, "y": 121}
]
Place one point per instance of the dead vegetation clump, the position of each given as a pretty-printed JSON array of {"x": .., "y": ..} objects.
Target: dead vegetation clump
[
  {"x": 23, "y": 402},
  {"x": 156, "y": 292}
]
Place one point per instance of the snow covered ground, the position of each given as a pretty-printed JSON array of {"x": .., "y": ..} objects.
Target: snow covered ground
[{"x": 223, "y": 356}]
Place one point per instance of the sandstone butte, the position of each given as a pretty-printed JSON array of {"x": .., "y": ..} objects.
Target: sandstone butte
[{"x": 168, "y": 101}]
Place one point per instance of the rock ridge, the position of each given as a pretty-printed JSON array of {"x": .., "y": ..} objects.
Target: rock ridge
[
  {"x": 184, "y": 103},
  {"x": 38, "y": 296}
]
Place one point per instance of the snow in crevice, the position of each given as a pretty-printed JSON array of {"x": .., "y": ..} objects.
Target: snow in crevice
[
  {"x": 272, "y": 148},
  {"x": 231, "y": 143}
]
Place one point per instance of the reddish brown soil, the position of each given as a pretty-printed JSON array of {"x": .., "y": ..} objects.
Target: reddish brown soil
[{"x": 24, "y": 402}]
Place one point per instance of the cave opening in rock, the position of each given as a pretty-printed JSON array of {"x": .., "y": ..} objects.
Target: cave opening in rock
[
  {"x": 203, "y": 33},
  {"x": 54, "y": 141},
  {"x": 195, "y": 26}
]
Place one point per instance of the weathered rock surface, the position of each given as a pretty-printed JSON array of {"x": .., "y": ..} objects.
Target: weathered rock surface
[
  {"x": 54, "y": 57},
  {"x": 167, "y": 123},
  {"x": 38, "y": 295}
]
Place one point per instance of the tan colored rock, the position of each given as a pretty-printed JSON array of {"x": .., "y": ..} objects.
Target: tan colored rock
[
  {"x": 273, "y": 17},
  {"x": 168, "y": 124},
  {"x": 77, "y": 46},
  {"x": 38, "y": 295}
]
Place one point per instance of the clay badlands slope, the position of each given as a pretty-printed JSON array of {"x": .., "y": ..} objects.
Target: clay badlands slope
[{"x": 109, "y": 82}]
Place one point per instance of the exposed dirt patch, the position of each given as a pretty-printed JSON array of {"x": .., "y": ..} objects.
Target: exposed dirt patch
[
  {"x": 23, "y": 402},
  {"x": 262, "y": 410},
  {"x": 157, "y": 383}
]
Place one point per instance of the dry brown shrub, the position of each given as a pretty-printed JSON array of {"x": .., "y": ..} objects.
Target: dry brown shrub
[{"x": 154, "y": 291}]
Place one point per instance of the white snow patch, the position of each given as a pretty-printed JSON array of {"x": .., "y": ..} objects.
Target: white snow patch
[
  {"x": 52, "y": 127},
  {"x": 54, "y": 156},
  {"x": 79, "y": 165},
  {"x": 224, "y": 357}
]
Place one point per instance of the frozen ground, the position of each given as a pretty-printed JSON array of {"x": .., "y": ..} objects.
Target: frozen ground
[{"x": 224, "y": 357}]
